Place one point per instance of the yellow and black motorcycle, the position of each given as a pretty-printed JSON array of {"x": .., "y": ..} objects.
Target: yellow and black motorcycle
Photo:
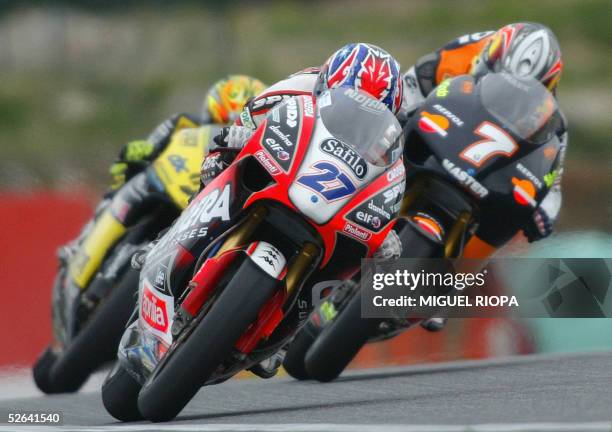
[{"x": 94, "y": 291}]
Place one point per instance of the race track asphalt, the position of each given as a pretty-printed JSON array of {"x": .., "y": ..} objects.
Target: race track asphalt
[{"x": 554, "y": 389}]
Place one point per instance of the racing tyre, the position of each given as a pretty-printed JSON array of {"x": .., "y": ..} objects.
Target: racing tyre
[
  {"x": 97, "y": 342},
  {"x": 190, "y": 362},
  {"x": 120, "y": 394},
  {"x": 294, "y": 360},
  {"x": 41, "y": 369},
  {"x": 339, "y": 342}
]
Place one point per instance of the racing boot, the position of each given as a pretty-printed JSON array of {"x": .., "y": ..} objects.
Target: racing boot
[
  {"x": 269, "y": 367},
  {"x": 434, "y": 324}
]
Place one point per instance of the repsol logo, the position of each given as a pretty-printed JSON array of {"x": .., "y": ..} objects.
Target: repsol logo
[{"x": 341, "y": 151}]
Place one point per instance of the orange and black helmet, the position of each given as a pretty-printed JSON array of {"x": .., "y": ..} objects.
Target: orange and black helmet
[
  {"x": 227, "y": 97},
  {"x": 523, "y": 50}
]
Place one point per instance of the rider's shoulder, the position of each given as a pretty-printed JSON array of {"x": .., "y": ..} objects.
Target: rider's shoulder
[{"x": 470, "y": 39}]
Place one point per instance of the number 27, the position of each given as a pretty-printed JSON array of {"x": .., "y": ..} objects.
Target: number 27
[{"x": 328, "y": 181}]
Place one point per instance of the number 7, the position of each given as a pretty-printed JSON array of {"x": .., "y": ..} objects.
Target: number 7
[{"x": 496, "y": 142}]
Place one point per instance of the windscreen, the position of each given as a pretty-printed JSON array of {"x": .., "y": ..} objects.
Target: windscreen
[
  {"x": 522, "y": 105},
  {"x": 362, "y": 122}
]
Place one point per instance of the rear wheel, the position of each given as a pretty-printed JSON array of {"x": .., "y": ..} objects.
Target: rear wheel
[
  {"x": 97, "y": 342},
  {"x": 339, "y": 342},
  {"x": 192, "y": 361},
  {"x": 120, "y": 394}
]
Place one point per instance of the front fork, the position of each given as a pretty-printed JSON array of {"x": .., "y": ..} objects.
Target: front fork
[{"x": 205, "y": 281}]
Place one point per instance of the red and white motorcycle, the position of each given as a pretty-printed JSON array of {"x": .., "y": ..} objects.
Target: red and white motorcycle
[{"x": 315, "y": 189}]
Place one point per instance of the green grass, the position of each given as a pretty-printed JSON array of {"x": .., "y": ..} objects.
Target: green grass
[{"x": 69, "y": 120}]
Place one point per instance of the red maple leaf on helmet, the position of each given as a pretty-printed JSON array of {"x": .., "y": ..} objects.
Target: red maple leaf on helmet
[
  {"x": 375, "y": 75},
  {"x": 342, "y": 71}
]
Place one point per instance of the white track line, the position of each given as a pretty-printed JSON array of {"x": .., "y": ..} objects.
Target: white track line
[{"x": 325, "y": 427}]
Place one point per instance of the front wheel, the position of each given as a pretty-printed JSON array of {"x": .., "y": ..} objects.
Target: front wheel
[
  {"x": 97, "y": 342},
  {"x": 294, "y": 360},
  {"x": 120, "y": 394},
  {"x": 339, "y": 342},
  {"x": 190, "y": 362}
]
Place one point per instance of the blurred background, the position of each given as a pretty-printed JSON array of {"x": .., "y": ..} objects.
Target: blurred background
[{"x": 80, "y": 78}]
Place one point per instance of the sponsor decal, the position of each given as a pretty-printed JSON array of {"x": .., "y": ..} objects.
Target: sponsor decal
[
  {"x": 268, "y": 258},
  {"x": 456, "y": 120},
  {"x": 496, "y": 142},
  {"x": 285, "y": 139},
  {"x": 344, "y": 153},
  {"x": 527, "y": 173},
  {"x": 550, "y": 152},
  {"x": 214, "y": 205},
  {"x": 393, "y": 193},
  {"x": 442, "y": 89},
  {"x": 292, "y": 112},
  {"x": 378, "y": 210},
  {"x": 550, "y": 178},
  {"x": 429, "y": 225},
  {"x": 366, "y": 102},
  {"x": 355, "y": 231},
  {"x": 267, "y": 163},
  {"x": 328, "y": 311},
  {"x": 465, "y": 179},
  {"x": 368, "y": 219},
  {"x": 524, "y": 192},
  {"x": 194, "y": 233},
  {"x": 154, "y": 309},
  {"x": 268, "y": 101},
  {"x": 467, "y": 87},
  {"x": 213, "y": 162},
  {"x": 178, "y": 162},
  {"x": 396, "y": 172},
  {"x": 246, "y": 119},
  {"x": 433, "y": 123},
  {"x": 280, "y": 139},
  {"x": 327, "y": 180},
  {"x": 308, "y": 107},
  {"x": 160, "y": 278}
]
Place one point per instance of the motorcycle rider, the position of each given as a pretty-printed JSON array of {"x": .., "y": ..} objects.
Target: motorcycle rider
[
  {"x": 131, "y": 195},
  {"x": 521, "y": 49},
  {"x": 362, "y": 66}
]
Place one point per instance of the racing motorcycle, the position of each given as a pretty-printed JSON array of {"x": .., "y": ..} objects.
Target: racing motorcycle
[
  {"x": 94, "y": 290},
  {"x": 477, "y": 153},
  {"x": 229, "y": 284}
]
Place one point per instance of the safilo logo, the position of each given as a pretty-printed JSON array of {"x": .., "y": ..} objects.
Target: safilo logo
[{"x": 341, "y": 151}]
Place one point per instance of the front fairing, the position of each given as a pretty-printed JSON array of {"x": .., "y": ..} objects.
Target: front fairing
[{"x": 454, "y": 136}]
